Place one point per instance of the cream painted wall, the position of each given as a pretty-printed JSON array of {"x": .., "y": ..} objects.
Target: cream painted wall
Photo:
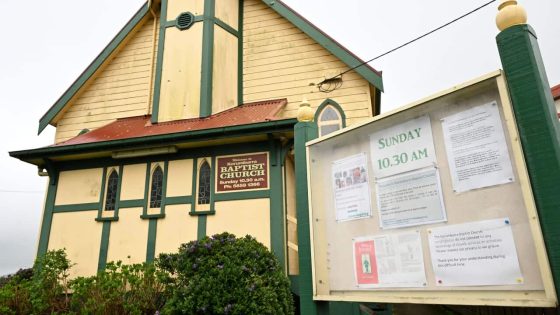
[
  {"x": 128, "y": 237},
  {"x": 179, "y": 178},
  {"x": 242, "y": 217},
  {"x": 224, "y": 92},
  {"x": 176, "y": 7},
  {"x": 176, "y": 228},
  {"x": 133, "y": 181},
  {"x": 80, "y": 186},
  {"x": 180, "y": 78},
  {"x": 280, "y": 61},
  {"x": 80, "y": 235},
  {"x": 228, "y": 11},
  {"x": 290, "y": 195},
  {"x": 557, "y": 102}
]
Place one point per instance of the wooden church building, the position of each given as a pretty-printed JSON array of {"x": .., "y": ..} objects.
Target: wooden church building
[{"x": 183, "y": 127}]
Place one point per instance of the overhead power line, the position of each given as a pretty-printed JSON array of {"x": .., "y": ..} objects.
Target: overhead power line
[{"x": 337, "y": 77}]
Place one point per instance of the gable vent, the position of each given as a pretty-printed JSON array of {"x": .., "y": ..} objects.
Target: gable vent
[{"x": 184, "y": 21}]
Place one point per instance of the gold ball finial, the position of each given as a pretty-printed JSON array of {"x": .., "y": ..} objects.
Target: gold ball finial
[
  {"x": 305, "y": 112},
  {"x": 510, "y": 14}
]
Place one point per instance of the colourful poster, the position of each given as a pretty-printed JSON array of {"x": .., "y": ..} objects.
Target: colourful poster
[
  {"x": 365, "y": 262},
  {"x": 351, "y": 188}
]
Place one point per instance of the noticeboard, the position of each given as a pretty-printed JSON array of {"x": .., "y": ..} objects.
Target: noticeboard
[{"x": 430, "y": 204}]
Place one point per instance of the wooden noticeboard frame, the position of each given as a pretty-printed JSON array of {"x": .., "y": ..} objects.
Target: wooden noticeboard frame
[{"x": 334, "y": 278}]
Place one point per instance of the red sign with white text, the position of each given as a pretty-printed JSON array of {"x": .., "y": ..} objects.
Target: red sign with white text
[{"x": 365, "y": 262}]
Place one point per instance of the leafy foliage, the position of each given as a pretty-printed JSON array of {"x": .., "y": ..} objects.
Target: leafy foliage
[
  {"x": 226, "y": 275},
  {"x": 120, "y": 289}
]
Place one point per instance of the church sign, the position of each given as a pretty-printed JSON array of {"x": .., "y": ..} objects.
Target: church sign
[{"x": 242, "y": 172}]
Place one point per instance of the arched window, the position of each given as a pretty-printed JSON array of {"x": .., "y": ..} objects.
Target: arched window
[
  {"x": 111, "y": 193},
  {"x": 329, "y": 117},
  {"x": 204, "y": 184},
  {"x": 156, "y": 187}
]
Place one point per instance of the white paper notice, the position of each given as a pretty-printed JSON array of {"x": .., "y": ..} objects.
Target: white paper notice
[
  {"x": 475, "y": 254},
  {"x": 389, "y": 261},
  {"x": 412, "y": 198},
  {"x": 476, "y": 148},
  {"x": 351, "y": 189},
  {"x": 401, "y": 148}
]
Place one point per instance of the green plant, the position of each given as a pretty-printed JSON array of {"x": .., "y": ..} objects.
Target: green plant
[
  {"x": 120, "y": 289},
  {"x": 223, "y": 274},
  {"x": 49, "y": 284},
  {"x": 15, "y": 294}
]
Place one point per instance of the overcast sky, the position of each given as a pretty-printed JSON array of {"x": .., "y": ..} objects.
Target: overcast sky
[{"x": 47, "y": 44}]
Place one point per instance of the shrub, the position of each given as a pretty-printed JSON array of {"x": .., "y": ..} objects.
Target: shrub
[
  {"x": 120, "y": 289},
  {"x": 15, "y": 294},
  {"x": 225, "y": 275},
  {"x": 49, "y": 284}
]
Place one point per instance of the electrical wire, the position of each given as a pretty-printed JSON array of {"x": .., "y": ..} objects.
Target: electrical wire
[
  {"x": 319, "y": 85},
  {"x": 22, "y": 191}
]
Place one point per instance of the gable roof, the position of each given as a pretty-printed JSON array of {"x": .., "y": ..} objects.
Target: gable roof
[{"x": 348, "y": 58}]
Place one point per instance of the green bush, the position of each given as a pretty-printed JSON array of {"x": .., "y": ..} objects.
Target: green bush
[
  {"x": 15, "y": 294},
  {"x": 120, "y": 289},
  {"x": 226, "y": 275}
]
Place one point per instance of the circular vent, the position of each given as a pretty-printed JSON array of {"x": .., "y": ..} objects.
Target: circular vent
[{"x": 184, "y": 20}]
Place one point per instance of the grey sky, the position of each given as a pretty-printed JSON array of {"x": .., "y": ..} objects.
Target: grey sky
[{"x": 47, "y": 44}]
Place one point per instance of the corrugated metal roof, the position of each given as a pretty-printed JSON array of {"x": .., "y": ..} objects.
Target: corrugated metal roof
[
  {"x": 141, "y": 126},
  {"x": 556, "y": 92}
]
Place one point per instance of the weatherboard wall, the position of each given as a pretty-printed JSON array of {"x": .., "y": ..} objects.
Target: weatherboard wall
[
  {"x": 120, "y": 89},
  {"x": 279, "y": 60}
]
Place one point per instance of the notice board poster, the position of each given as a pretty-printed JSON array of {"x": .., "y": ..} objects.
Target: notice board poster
[
  {"x": 452, "y": 220},
  {"x": 409, "y": 199},
  {"x": 475, "y": 254},
  {"x": 351, "y": 188},
  {"x": 476, "y": 148},
  {"x": 392, "y": 260},
  {"x": 242, "y": 172}
]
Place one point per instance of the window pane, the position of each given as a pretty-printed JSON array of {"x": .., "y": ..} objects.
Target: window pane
[
  {"x": 111, "y": 195},
  {"x": 329, "y": 114},
  {"x": 204, "y": 184},
  {"x": 157, "y": 188},
  {"x": 326, "y": 129}
]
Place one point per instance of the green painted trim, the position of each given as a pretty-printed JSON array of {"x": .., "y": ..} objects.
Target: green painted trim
[
  {"x": 328, "y": 43},
  {"x": 201, "y": 232},
  {"x": 151, "y": 246},
  {"x": 207, "y": 59},
  {"x": 304, "y": 131},
  {"x": 159, "y": 61},
  {"x": 102, "y": 194},
  {"x": 178, "y": 200},
  {"x": 94, "y": 206},
  {"x": 133, "y": 203},
  {"x": 104, "y": 246},
  {"x": 47, "y": 219},
  {"x": 147, "y": 188},
  {"x": 107, "y": 219},
  {"x": 334, "y": 104},
  {"x": 277, "y": 219},
  {"x": 204, "y": 213},
  {"x": 538, "y": 127},
  {"x": 226, "y": 27},
  {"x": 294, "y": 284},
  {"x": 240, "y": 54},
  {"x": 41, "y": 154},
  {"x": 212, "y": 183},
  {"x": 152, "y": 216},
  {"x": 194, "y": 193},
  {"x": 240, "y": 195},
  {"x": 92, "y": 68}
]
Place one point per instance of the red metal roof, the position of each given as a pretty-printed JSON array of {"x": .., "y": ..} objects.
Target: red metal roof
[
  {"x": 141, "y": 126},
  {"x": 556, "y": 92}
]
